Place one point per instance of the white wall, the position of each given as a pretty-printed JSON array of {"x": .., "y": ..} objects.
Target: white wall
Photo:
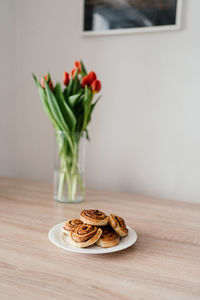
[
  {"x": 146, "y": 129},
  {"x": 7, "y": 87}
]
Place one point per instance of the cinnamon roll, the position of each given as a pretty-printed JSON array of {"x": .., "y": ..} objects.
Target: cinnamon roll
[
  {"x": 84, "y": 235},
  {"x": 109, "y": 237},
  {"x": 71, "y": 224},
  {"x": 118, "y": 224},
  {"x": 94, "y": 217}
]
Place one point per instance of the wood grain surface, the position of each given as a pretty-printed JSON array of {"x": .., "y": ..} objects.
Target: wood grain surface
[{"x": 163, "y": 264}]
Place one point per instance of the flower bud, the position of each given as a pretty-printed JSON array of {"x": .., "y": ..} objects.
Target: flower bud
[
  {"x": 65, "y": 78},
  {"x": 91, "y": 76},
  {"x": 77, "y": 65},
  {"x": 96, "y": 86},
  {"x": 84, "y": 81},
  {"x": 49, "y": 82},
  {"x": 72, "y": 73}
]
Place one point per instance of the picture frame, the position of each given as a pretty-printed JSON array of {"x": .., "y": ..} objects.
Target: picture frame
[{"x": 141, "y": 29}]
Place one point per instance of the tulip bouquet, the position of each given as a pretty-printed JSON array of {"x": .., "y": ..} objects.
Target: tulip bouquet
[{"x": 69, "y": 110}]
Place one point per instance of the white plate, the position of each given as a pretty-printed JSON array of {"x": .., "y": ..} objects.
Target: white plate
[{"x": 56, "y": 237}]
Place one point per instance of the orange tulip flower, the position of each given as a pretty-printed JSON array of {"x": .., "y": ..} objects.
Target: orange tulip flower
[
  {"x": 50, "y": 82},
  {"x": 72, "y": 73},
  {"x": 77, "y": 65}
]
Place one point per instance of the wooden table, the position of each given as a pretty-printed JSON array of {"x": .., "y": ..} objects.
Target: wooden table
[{"x": 163, "y": 264}]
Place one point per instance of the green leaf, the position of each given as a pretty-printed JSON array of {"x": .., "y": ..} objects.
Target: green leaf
[
  {"x": 79, "y": 124},
  {"x": 45, "y": 105},
  {"x": 87, "y": 134},
  {"x": 79, "y": 106},
  {"x": 52, "y": 110},
  {"x": 69, "y": 88},
  {"x": 83, "y": 69},
  {"x": 66, "y": 111},
  {"x": 65, "y": 93},
  {"x": 87, "y": 105},
  {"x": 94, "y": 104},
  {"x": 74, "y": 98},
  {"x": 55, "y": 108},
  {"x": 76, "y": 84},
  {"x": 92, "y": 108}
]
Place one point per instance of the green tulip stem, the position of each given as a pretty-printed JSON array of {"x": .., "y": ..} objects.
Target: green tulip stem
[
  {"x": 69, "y": 173},
  {"x": 62, "y": 178}
]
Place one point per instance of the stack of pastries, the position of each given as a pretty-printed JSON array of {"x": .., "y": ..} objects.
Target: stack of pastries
[{"x": 94, "y": 227}]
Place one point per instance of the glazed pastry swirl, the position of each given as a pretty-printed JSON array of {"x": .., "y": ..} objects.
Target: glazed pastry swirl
[
  {"x": 85, "y": 235},
  {"x": 94, "y": 214},
  {"x": 118, "y": 224},
  {"x": 70, "y": 224},
  {"x": 94, "y": 217},
  {"x": 109, "y": 237},
  {"x": 108, "y": 232}
]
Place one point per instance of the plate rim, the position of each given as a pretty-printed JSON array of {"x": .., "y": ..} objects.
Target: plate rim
[{"x": 79, "y": 250}]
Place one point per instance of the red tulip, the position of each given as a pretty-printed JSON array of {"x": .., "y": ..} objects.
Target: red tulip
[
  {"x": 91, "y": 77},
  {"x": 85, "y": 81},
  {"x": 72, "y": 73},
  {"x": 96, "y": 86},
  {"x": 88, "y": 79},
  {"x": 77, "y": 65},
  {"x": 51, "y": 85},
  {"x": 50, "y": 82},
  {"x": 65, "y": 78}
]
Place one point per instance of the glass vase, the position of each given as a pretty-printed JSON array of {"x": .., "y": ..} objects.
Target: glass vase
[{"x": 69, "y": 184}]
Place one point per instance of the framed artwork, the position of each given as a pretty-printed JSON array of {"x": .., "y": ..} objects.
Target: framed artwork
[{"x": 130, "y": 16}]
